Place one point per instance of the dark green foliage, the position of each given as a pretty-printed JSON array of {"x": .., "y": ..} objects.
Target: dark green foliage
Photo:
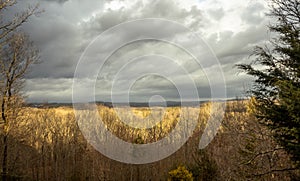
[{"x": 277, "y": 72}]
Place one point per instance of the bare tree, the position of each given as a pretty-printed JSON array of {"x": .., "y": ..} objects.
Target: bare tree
[
  {"x": 17, "y": 53},
  {"x": 9, "y": 26}
]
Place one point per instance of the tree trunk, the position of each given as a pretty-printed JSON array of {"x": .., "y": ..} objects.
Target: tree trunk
[
  {"x": 4, "y": 161},
  {"x": 4, "y": 158},
  {"x": 3, "y": 111}
]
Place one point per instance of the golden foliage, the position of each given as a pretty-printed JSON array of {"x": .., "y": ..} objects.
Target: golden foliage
[{"x": 180, "y": 174}]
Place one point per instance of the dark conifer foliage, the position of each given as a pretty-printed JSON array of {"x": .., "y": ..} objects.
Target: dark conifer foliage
[{"x": 276, "y": 68}]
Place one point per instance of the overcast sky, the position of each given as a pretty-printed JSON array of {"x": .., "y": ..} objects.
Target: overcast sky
[{"x": 146, "y": 68}]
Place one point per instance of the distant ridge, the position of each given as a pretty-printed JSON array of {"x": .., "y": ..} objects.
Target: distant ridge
[
  {"x": 131, "y": 104},
  {"x": 119, "y": 104},
  {"x": 146, "y": 104}
]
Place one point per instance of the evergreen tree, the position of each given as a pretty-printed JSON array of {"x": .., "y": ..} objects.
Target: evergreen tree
[{"x": 276, "y": 69}]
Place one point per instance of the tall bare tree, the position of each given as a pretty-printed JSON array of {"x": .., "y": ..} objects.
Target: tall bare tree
[{"x": 17, "y": 53}]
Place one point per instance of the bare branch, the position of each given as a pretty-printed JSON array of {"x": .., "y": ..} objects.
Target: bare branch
[{"x": 275, "y": 170}]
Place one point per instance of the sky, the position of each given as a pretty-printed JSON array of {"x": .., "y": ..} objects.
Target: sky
[{"x": 74, "y": 38}]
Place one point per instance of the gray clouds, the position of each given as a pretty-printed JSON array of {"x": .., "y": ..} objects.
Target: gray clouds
[
  {"x": 66, "y": 27},
  {"x": 57, "y": 1}
]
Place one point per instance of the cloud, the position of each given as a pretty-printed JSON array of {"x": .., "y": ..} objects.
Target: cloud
[
  {"x": 166, "y": 9},
  {"x": 48, "y": 90},
  {"x": 230, "y": 28},
  {"x": 58, "y": 1}
]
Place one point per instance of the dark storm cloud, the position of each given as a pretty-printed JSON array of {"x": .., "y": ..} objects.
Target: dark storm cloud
[
  {"x": 66, "y": 27},
  {"x": 241, "y": 43},
  {"x": 58, "y": 36},
  {"x": 48, "y": 90}
]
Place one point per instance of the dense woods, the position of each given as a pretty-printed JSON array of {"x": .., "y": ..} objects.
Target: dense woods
[
  {"x": 258, "y": 139},
  {"x": 46, "y": 144}
]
